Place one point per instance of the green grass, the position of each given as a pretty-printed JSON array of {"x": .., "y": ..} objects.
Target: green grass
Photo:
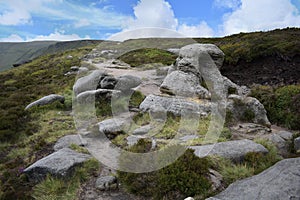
[
  {"x": 26, "y": 136},
  {"x": 140, "y": 57},
  {"x": 59, "y": 189}
]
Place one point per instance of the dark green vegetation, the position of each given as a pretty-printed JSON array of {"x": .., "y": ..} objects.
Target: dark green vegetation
[
  {"x": 282, "y": 104},
  {"x": 188, "y": 175},
  {"x": 139, "y": 57},
  {"x": 27, "y": 136},
  {"x": 13, "y": 53},
  {"x": 185, "y": 177}
]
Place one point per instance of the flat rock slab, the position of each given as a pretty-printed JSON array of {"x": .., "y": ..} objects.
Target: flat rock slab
[
  {"x": 68, "y": 140},
  {"x": 113, "y": 127},
  {"x": 281, "y": 181},
  {"x": 176, "y": 106},
  {"x": 233, "y": 150},
  {"x": 59, "y": 164}
]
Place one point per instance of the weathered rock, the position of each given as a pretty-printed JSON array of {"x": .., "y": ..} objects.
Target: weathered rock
[
  {"x": 91, "y": 95},
  {"x": 188, "y": 138},
  {"x": 281, "y": 181},
  {"x": 174, "y": 50},
  {"x": 247, "y": 109},
  {"x": 158, "y": 113},
  {"x": 283, "y": 141},
  {"x": 249, "y": 131},
  {"x": 127, "y": 82},
  {"x": 297, "y": 144},
  {"x": 183, "y": 84},
  {"x": 112, "y": 127},
  {"x": 234, "y": 150},
  {"x": 68, "y": 140},
  {"x": 46, "y": 100},
  {"x": 106, "y": 183},
  {"x": 74, "y": 68},
  {"x": 216, "y": 180},
  {"x": 59, "y": 164},
  {"x": 142, "y": 130},
  {"x": 285, "y": 135},
  {"x": 83, "y": 70},
  {"x": 89, "y": 82},
  {"x": 189, "y": 198},
  {"x": 188, "y": 57},
  {"x": 133, "y": 139},
  {"x": 176, "y": 106},
  {"x": 108, "y": 82}
]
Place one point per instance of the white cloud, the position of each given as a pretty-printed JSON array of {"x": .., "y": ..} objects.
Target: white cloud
[
  {"x": 201, "y": 30},
  {"x": 12, "y": 38},
  {"x": 82, "y": 23},
  {"x": 232, "y": 4},
  {"x": 260, "y": 16},
  {"x": 17, "y": 12},
  {"x": 57, "y": 36},
  {"x": 152, "y": 13},
  {"x": 156, "y": 18}
]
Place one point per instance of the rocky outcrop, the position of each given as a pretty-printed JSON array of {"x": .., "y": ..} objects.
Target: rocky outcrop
[
  {"x": 281, "y": 181},
  {"x": 59, "y": 164},
  {"x": 282, "y": 141},
  {"x": 89, "y": 82},
  {"x": 247, "y": 109},
  {"x": 176, "y": 106},
  {"x": 233, "y": 150},
  {"x": 46, "y": 100},
  {"x": 67, "y": 141},
  {"x": 183, "y": 84}
]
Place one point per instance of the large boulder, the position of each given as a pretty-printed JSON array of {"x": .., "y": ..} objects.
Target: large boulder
[
  {"x": 46, "y": 100},
  {"x": 59, "y": 164},
  {"x": 176, "y": 106},
  {"x": 183, "y": 84},
  {"x": 281, "y": 181},
  {"x": 282, "y": 140},
  {"x": 247, "y": 109},
  {"x": 68, "y": 140},
  {"x": 188, "y": 57},
  {"x": 89, "y": 82},
  {"x": 233, "y": 150},
  {"x": 127, "y": 82}
]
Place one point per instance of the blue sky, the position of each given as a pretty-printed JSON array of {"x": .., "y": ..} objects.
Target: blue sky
[{"x": 28, "y": 20}]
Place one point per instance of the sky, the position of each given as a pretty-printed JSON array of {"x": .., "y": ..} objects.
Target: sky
[{"x": 31, "y": 20}]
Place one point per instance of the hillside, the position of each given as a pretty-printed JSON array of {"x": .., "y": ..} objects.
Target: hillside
[
  {"x": 17, "y": 53},
  {"x": 26, "y": 136}
]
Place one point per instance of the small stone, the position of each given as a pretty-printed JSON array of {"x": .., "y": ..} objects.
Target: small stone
[
  {"x": 142, "y": 130},
  {"x": 106, "y": 183},
  {"x": 297, "y": 144}
]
